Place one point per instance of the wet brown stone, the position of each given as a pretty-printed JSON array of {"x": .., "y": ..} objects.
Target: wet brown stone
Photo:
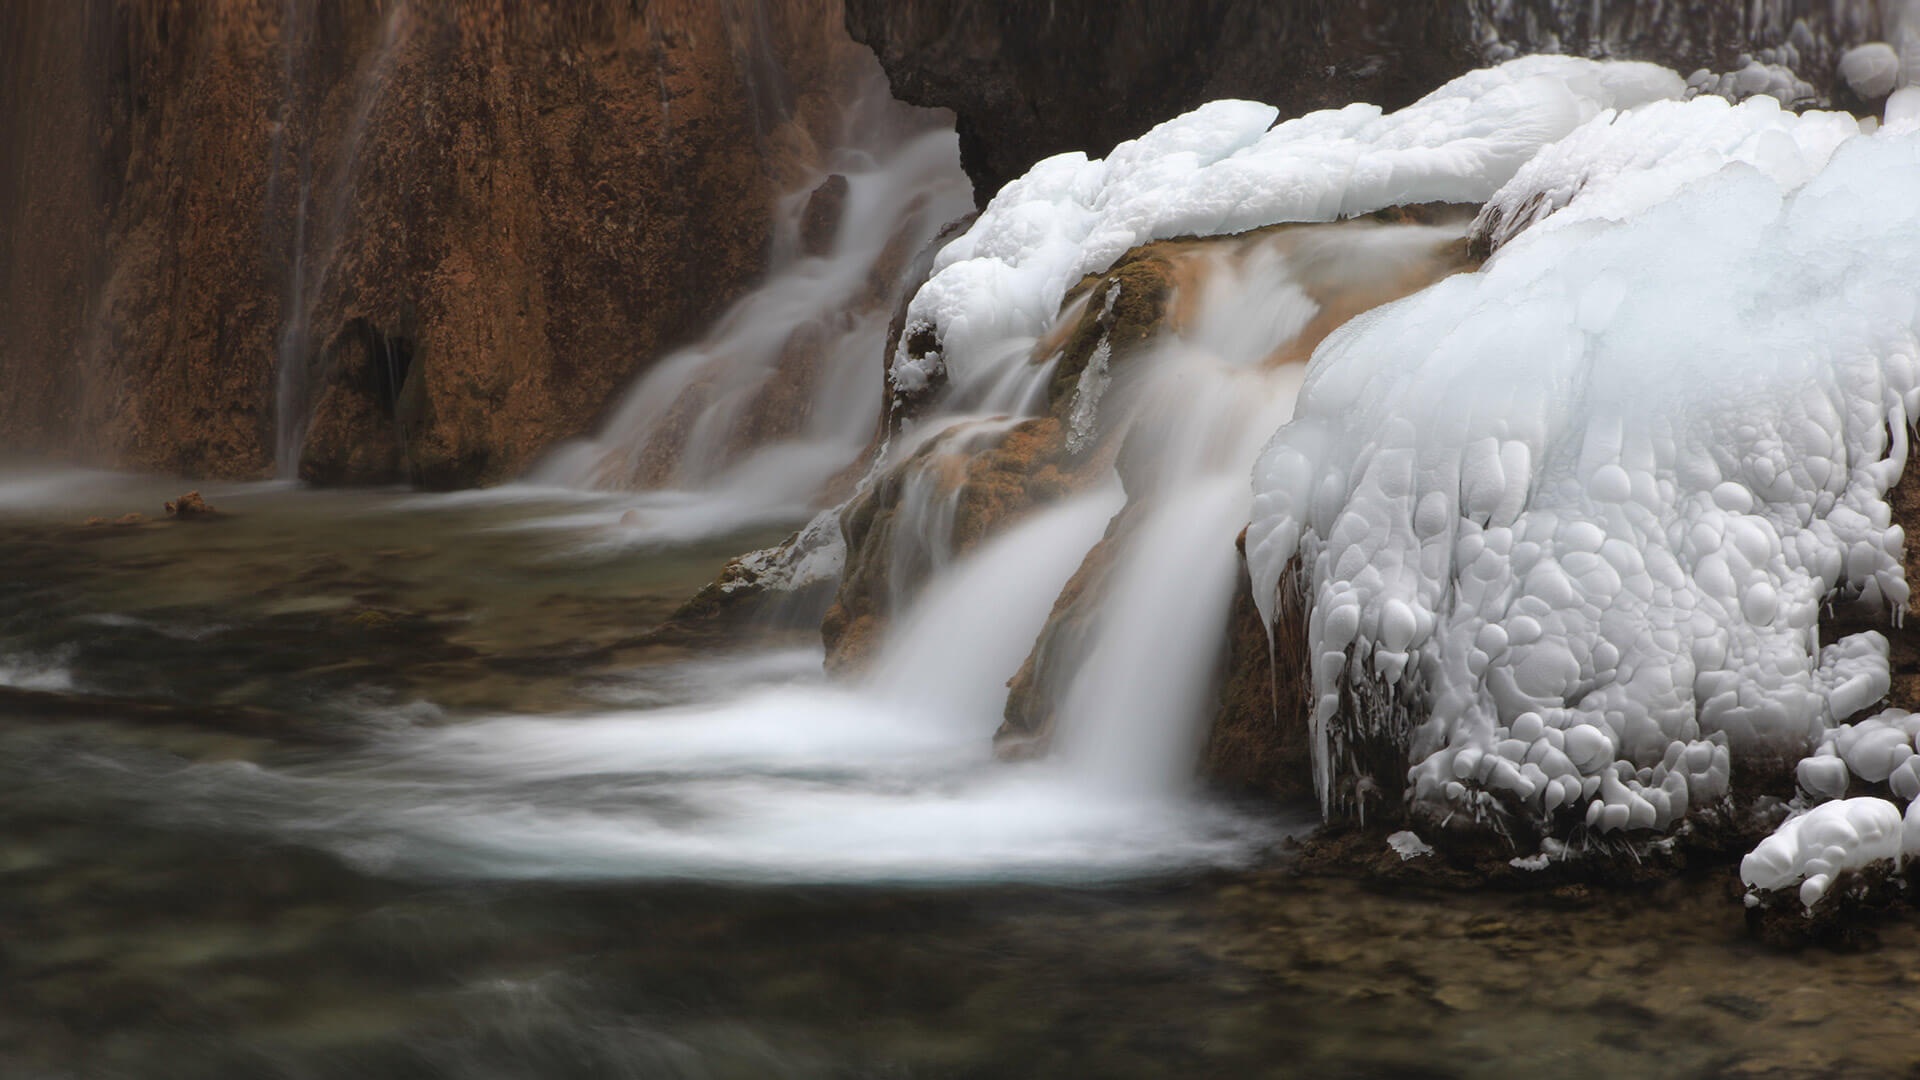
[
  {"x": 1846, "y": 918},
  {"x": 190, "y": 505},
  {"x": 1258, "y": 739},
  {"x": 356, "y": 433}
]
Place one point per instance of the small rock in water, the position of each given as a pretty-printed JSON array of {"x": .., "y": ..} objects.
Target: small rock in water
[
  {"x": 1408, "y": 845},
  {"x": 825, "y": 208},
  {"x": 189, "y": 505}
]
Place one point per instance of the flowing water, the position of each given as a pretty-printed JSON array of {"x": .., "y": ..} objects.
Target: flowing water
[
  {"x": 387, "y": 785},
  {"x": 750, "y": 423}
]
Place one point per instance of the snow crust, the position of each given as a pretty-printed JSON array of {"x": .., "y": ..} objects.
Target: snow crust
[
  {"x": 1227, "y": 167},
  {"x": 1408, "y": 845},
  {"x": 815, "y": 556},
  {"x": 1575, "y": 514}
]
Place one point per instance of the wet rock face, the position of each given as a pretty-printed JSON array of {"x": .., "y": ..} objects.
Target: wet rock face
[
  {"x": 136, "y": 302},
  {"x": 825, "y": 208},
  {"x": 1030, "y": 80},
  {"x": 540, "y": 198},
  {"x": 976, "y": 481},
  {"x": 1258, "y": 739}
]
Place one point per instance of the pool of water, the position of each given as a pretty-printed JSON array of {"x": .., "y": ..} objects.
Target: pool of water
[{"x": 375, "y": 784}]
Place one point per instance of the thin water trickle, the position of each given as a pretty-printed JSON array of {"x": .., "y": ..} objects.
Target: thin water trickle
[{"x": 313, "y": 258}]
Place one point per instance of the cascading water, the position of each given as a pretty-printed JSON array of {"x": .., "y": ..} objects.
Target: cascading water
[
  {"x": 1196, "y": 409},
  {"x": 749, "y": 424},
  {"x": 891, "y": 776}
]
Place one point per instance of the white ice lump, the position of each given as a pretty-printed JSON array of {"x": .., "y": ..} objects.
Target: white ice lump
[
  {"x": 1622, "y": 164},
  {"x": 1813, "y": 848},
  {"x": 1880, "y": 749},
  {"x": 1871, "y": 70}
]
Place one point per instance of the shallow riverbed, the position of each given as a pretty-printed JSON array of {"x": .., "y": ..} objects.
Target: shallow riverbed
[{"x": 298, "y": 792}]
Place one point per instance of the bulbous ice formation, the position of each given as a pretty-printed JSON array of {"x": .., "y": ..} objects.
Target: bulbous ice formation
[
  {"x": 1812, "y": 849},
  {"x": 1576, "y": 513}
]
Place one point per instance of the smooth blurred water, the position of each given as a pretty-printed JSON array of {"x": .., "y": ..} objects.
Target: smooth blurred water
[{"x": 380, "y": 785}]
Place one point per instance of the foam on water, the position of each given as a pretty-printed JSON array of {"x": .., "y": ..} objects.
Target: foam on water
[
  {"x": 890, "y": 779},
  {"x": 35, "y": 673}
]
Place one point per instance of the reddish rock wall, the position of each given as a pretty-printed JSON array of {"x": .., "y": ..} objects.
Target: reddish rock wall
[{"x": 534, "y": 199}]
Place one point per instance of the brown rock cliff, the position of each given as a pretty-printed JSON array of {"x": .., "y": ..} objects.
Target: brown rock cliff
[{"x": 528, "y": 200}]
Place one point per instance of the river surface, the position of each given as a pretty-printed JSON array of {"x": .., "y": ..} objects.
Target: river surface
[{"x": 380, "y": 784}]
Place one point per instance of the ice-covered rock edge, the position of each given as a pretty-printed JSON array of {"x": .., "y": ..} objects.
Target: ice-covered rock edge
[
  {"x": 1580, "y": 510},
  {"x": 1227, "y": 168}
]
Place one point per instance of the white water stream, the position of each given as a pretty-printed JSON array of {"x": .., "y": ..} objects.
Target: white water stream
[
  {"x": 684, "y": 435},
  {"x": 776, "y": 775}
]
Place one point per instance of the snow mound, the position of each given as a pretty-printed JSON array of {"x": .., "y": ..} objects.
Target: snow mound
[
  {"x": 1573, "y": 516},
  {"x": 1225, "y": 168},
  {"x": 1813, "y": 848}
]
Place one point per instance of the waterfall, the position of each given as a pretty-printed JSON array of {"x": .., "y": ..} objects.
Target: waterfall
[
  {"x": 752, "y": 421},
  {"x": 1196, "y": 410},
  {"x": 890, "y": 776}
]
